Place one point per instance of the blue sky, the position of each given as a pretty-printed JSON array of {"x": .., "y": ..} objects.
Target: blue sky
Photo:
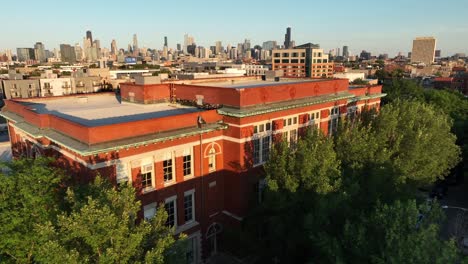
[{"x": 378, "y": 26}]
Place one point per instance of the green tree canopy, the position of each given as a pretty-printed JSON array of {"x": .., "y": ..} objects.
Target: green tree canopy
[
  {"x": 29, "y": 196},
  {"x": 42, "y": 222}
]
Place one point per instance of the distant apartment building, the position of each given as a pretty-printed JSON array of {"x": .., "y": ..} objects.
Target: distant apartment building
[
  {"x": 67, "y": 53},
  {"x": 25, "y": 54},
  {"x": 306, "y": 60},
  {"x": 21, "y": 88},
  {"x": 423, "y": 50}
]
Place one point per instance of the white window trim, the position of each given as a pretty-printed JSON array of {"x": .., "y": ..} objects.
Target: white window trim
[
  {"x": 153, "y": 177},
  {"x": 173, "y": 181},
  {"x": 173, "y": 199},
  {"x": 190, "y": 152},
  {"x": 212, "y": 159},
  {"x": 150, "y": 207},
  {"x": 192, "y": 193},
  {"x": 261, "y": 159}
]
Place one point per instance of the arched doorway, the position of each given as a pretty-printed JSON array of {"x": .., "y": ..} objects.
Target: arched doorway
[{"x": 212, "y": 236}]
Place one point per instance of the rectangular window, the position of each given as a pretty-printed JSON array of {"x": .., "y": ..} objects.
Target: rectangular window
[
  {"x": 277, "y": 55},
  {"x": 256, "y": 151},
  {"x": 284, "y": 61},
  {"x": 266, "y": 148},
  {"x": 293, "y": 137},
  {"x": 268, "y": 126},
  {"x": 286, "y": 55},
  {"x": 289, "y": 121},
  {"x": 187, "y": 165},
  {"x": 149, "y": 211},
  {"x": 189, "y": 214},
  {"x": 277, "y": 60},
  {"x": 170, "y": 207},
  {"x": 167, "y": 168},
  {"x": 295, "y": 120},
  {"x": 147, "y": 176},
  {"x": 261, "y": 128},
  {"x": 191, "y": 253}
]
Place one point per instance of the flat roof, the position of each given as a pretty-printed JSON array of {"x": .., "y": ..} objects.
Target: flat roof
[
  {"x": 239, "y": 84},
  {"x": 104, "y": 109}
]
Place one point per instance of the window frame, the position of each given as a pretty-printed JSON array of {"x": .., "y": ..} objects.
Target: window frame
[
  {"x": 164, "y": 167},
  {"x": 190, "y": 193},
  {"x": 172, "y": 199}
]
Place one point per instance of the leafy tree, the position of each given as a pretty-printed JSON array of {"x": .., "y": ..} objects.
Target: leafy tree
[
  {"x": 103, "y": 228},
  {"x": 418, "y": 139},
  {"x": 297, "y": 177},
  {"x": 399, "y": 232},
  {"x": 29, "y": 196},
  {"x": 96, "y": 223},
  {"x": 402, "y": 89}
]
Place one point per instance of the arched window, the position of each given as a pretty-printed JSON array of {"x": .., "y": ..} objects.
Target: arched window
[{"x": 212, "y": 160}]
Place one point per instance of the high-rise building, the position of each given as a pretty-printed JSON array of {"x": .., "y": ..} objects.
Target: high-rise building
[
  {"x": 345, "y": 52},
  {"x": 437, "y": 54},
  {"x": 89, "y": 36},
  {"x": 39, "y": 52},
  {"x": 165, "y": 41},
  {"x": 114, "y": 47},
  {"x": 78, "y": 52},
  {"x": 269, "y": 45},
  {"x": 179, "y": 47},
  {"x": 67, "y": 53},
  {"x": 287, "y": 39},
  {"x": 423, "y": 50},
  {"x": 25, "y": 54},
  {"x": 365, "y": 55},
  {"x": 218, "y": 47},
  {"x": 188, "y": 40},
  {"x": 135, "y": 43}
]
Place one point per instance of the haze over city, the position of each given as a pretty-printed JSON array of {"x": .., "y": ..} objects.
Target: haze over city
[{"x": 375, "y": 26}]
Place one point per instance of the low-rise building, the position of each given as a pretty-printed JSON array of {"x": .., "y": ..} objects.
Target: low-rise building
[{"x": 196, "y": 148}]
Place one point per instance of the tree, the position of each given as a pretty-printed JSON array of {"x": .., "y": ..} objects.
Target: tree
[
  {"x": 418, "y": 140},
  {"x": 103, "y": 228},
  {"x": 42, "y": 222},
  {"x": 400, "y": 232},
  {"x": 297, "y": 177},
  {"x": 29, "y": 195}
]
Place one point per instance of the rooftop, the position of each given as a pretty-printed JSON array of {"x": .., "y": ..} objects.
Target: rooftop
[
  {"x": 103, "y": 109},
  {"x": 240, "y": 84}
]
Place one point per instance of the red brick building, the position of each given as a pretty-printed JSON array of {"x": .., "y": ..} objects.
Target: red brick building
[{"x": 205, "y": 175}]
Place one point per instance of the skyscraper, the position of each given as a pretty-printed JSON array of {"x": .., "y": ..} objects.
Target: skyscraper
[
  {"x": 25, "y": 54},
  {"x": 67, "y": 53},
  {"x": 114, "y": 47},
  {"x": 345, "y": 52},
  {"x": 423, "y": 50},
  {"x": 269, "y": 45},
  {"x": 39, "y": 52},
  {"x": 135, "y": 43},
  {"x": 218, "y": 47},
  {"x": 89, "y": 36},
  {"x": 165, "y": 41},
  {"x": 188, "y": 40},
  {"x": 287, "y": 38}
]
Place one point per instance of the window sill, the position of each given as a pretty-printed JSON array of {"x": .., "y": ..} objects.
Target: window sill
[
  {"x": 148, "y": 189},
  {"x": 167, "y": 184},
  {"x": 188, "y": 177},
  {"x": 186, "y": 227}
]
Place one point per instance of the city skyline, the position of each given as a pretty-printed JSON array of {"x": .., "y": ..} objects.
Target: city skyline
[{"x": 363, "y": 25}]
